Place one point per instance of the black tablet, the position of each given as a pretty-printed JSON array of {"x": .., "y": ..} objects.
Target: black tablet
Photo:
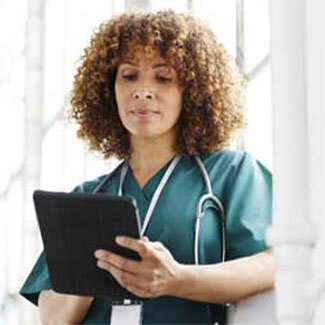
[{"x": 73, "y": 226}]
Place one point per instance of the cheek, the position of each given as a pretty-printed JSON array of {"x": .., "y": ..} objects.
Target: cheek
[
  {"x": 121, "y": 97},
  {"x": 175, "y": 99},
  {"x": 118, "y": 96}
]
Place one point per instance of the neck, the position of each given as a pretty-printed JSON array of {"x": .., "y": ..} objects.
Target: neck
[{"x": 149, "y": 155}]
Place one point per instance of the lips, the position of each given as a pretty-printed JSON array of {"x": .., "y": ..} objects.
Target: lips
[{"x": 143, "y": 113}]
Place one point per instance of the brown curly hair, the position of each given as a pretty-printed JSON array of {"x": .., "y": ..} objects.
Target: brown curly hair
[{"x": 212, "y": 107}]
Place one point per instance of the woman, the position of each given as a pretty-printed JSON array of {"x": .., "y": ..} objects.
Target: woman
[{"x": 152, "y": 87}]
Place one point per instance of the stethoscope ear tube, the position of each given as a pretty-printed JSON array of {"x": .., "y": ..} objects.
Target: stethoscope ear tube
[{"x": 100, "y": 186}]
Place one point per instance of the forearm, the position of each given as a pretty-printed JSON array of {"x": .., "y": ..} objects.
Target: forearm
[
  {"x": 56, "y": 308},
  {"x": 227, "y": 282}
]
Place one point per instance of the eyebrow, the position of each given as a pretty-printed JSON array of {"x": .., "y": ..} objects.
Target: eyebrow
[{"x": 155, "y": 66}]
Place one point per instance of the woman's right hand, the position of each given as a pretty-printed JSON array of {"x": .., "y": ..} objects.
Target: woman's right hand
[{"x": 57, "y": 308}]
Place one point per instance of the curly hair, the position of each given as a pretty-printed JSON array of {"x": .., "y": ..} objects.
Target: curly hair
[{"x": 212, "y": 106}]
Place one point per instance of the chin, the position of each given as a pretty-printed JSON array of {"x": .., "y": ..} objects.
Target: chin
[{"x": 146, "y": 134}]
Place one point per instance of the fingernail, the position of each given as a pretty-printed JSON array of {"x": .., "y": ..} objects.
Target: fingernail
[{"x": 119, "y": 239}]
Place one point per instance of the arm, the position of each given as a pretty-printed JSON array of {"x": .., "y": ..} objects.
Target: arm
[
  {"x": 57, "y": 308},
  {"x": 227, "y": 282},
  {"x": 158, "y": 273}
]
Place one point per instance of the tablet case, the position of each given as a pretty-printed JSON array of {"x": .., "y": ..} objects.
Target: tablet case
[{"x": 73, "y": 226}]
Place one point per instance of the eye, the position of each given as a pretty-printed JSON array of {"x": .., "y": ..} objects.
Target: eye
[
  {"x": 129, "y": 77},
  {"x": 163, "y": 79}
]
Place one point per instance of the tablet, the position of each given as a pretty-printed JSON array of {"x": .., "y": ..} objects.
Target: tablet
[{"x": 73, "y": 226}]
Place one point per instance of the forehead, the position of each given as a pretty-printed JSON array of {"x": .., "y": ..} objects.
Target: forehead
[{"x": 141, "y": 59}]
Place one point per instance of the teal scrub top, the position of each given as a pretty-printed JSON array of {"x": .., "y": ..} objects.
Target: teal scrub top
[{"x": 244, "y": 186}]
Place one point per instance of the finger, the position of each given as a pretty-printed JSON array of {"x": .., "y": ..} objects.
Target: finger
[
  {"x": 145, "y": 238},
  {"x": 158, "y": 245},
  {"x": 117, "y": 260},
  {"x": 115, "y": 271},
  {"x": 137, "y": 245},
  {"x": 133, "y": 280},
  {"x": 104, "y": 265},
  {"x": 127, "y": 280}
]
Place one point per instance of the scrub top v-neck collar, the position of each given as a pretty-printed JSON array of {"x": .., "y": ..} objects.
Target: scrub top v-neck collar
[
  {"x": 148, "y": 196},
  {"x": 147, "y": 191}
]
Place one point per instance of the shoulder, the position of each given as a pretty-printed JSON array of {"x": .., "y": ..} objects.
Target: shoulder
[
  {"x": 223, "y": 158},
  {"x": 88, "y": 186},
  {"x": 235, "y": 164},
  {"x": 234, "y": 159}
]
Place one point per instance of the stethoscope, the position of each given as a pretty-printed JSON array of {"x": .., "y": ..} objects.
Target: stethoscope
[{"x": 209, "y": 196}]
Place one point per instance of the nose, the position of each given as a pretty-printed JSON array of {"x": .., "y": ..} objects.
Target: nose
[{"x": 143, "y": 94}]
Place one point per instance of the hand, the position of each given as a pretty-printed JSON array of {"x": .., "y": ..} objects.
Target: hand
[{"x": 155, "y": 275}]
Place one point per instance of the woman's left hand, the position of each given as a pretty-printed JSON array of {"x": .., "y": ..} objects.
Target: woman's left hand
[{"x": 155, "y": 275}]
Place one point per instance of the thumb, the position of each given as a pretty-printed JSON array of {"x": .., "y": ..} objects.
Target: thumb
[{"x": 145, "y": 238}]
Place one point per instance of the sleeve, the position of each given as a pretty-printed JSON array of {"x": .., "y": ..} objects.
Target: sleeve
[
  {"x": 248, "y": 208},
  {"x": 37, "y": 281},
  {"x": 39, "y": 278}
]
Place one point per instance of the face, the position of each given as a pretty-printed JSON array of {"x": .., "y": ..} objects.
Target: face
[{"x": 148, "y": 96}]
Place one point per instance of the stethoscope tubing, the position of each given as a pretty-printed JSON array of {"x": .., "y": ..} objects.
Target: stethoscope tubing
[{"x": 199, "y": 208}]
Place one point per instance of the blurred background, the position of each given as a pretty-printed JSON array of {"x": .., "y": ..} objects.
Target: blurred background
[{"x": 41, "y": 41}]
